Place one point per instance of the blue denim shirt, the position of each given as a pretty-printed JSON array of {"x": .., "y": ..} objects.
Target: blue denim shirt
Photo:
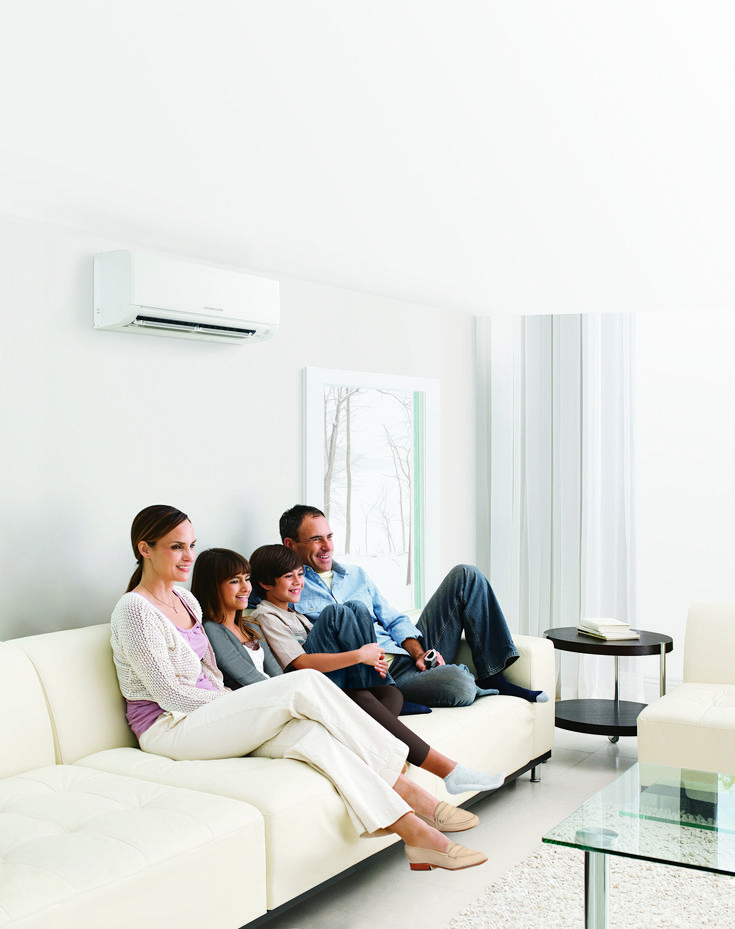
[{"x": 350, "y": 582}]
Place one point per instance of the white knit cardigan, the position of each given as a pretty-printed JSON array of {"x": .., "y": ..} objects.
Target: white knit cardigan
[{"x": 154, "y": 661}]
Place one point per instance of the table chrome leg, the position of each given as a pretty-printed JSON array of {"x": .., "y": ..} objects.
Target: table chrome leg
[
  {"x": 662, "y": 671},
  {"x": 617, "y": 682},
  {"x": 595, "y": 890}
]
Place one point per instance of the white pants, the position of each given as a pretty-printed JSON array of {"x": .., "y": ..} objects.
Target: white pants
[{"x": 300, "y": 715}]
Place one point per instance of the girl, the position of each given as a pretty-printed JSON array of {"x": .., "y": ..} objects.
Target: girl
[
  {"x": 221, "y": 583},
  {"x": 178, "y": 706}
]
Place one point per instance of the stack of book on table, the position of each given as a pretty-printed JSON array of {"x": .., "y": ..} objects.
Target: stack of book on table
[{"x": 607, "y": 629}]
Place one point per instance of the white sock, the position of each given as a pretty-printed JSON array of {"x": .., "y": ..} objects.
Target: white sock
[{"x": 463, "y": 778}]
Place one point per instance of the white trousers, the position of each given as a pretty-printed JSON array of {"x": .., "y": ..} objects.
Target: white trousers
[{"x": 300, "y": 715}]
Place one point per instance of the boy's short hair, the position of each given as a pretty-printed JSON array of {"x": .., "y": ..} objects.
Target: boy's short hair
[{"x": 270, "y": 562}]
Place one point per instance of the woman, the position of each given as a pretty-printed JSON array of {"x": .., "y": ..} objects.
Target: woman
[
  {"x": 178, "y": 706},
  {"x": 340, "y": 642}
]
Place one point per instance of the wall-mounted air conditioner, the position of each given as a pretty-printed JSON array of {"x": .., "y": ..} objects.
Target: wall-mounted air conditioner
[{"x": 156, "y": 295}]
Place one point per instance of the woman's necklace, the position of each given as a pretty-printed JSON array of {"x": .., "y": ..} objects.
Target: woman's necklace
[{"x": 171, "y": 606}]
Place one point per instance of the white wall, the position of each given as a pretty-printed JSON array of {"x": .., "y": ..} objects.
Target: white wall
[
  {"x": 97, "y": 425},
  {"x": 685, "y": 475}
]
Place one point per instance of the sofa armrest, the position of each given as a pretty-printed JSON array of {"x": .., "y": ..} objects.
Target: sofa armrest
[{"x": 535, "y": 667}]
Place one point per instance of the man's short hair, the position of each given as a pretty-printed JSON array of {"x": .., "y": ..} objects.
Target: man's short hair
[{"x": 290, "y": 522}]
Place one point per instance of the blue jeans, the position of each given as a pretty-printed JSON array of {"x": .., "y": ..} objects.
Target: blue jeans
[
  {"x": 342, "y": 628},
  {"x": 464, "y": 602}
]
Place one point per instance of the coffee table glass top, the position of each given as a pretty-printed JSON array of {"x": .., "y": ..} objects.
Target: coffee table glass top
[{"x": 669, "y": 815}]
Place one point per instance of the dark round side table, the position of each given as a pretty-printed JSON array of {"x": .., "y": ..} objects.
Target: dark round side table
[{"x": 615, "y": 717}]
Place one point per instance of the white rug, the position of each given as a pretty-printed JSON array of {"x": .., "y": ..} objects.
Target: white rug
[{"x": 546, "y": 890}]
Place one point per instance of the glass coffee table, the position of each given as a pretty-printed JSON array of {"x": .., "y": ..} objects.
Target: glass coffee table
[{"x": 674, "y": 816}]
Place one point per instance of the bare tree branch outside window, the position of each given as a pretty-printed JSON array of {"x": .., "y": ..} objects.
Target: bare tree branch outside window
[
  {"x": 367, "y": 466},
  {"x": 368, "y": 473}
]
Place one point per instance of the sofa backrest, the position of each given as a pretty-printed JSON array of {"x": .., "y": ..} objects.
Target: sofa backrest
[
  {"x": 78, "y": 676},
  {"x": 709, "y": 644},
  {"x": 26, "y": 735}
]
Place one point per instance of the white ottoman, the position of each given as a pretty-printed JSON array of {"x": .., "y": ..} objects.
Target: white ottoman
[{"x": 694, "y": 725}]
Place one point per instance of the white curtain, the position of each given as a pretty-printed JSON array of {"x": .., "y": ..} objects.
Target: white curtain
[{"x": 555, "y": 487}]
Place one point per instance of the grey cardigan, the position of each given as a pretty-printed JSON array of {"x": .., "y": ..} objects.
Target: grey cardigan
[{"x": 233, "y": 658}]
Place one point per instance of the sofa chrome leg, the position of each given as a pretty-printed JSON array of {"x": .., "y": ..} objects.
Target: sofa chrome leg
[{"x": 535, "y": 779}]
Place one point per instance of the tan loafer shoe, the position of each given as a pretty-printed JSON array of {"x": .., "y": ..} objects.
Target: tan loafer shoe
[
  {"x": 455, "y": 858},
  {"x": 448, "y": 818}
]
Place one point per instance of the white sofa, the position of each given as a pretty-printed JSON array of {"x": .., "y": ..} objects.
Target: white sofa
[
  {"x": 694, "y": 725},
  {"x": 95, "y": 832}
]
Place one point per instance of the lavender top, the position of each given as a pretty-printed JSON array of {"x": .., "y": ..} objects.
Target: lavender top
[{"x": 141, "y": 714}]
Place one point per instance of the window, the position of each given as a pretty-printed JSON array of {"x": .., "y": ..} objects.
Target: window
[{"x": 371, "y": 457}]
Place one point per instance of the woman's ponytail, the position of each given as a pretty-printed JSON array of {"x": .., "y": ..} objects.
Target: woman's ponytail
[{"x": 137, "y": 576}]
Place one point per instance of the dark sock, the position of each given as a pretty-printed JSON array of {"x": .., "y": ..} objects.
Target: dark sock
[{"x": 513, "y": 690}]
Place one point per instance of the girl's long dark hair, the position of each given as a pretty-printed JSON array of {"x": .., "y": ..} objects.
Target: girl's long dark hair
[{"x": 211, "y": 569}]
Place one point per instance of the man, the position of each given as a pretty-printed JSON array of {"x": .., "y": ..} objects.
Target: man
[{"x": 464, "y": 602}]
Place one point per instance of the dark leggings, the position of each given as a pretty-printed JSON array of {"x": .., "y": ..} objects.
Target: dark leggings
[{"x": 384, "y": 703}]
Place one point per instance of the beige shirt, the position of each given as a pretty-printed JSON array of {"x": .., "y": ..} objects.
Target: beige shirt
[{"x": 284, "y": 630}]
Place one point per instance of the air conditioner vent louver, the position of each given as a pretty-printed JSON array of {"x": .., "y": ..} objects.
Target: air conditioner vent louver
[{"x": 182, "y": 325}]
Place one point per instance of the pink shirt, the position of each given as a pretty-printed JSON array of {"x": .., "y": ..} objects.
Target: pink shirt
[
  {"x": 141, "y": 714},
  {"x": 197, "y": 638}
]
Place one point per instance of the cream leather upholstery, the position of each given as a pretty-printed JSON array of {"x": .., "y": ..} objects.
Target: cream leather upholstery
[
  {"x": 88, "y": 848},
  {"x": 94, "y": 831},
  {"x": 694, "y": 725}
]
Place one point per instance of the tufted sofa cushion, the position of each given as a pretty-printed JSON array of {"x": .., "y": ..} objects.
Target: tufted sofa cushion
[
  {"x": 309, "y": 835},
  {"x": 86, "y": 848},
  {"x": 691, "y": 727},
  {"x": 80, "y": 847}
]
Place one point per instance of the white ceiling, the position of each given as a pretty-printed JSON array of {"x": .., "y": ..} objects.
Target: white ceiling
[{"x": 483, "y": 156}]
